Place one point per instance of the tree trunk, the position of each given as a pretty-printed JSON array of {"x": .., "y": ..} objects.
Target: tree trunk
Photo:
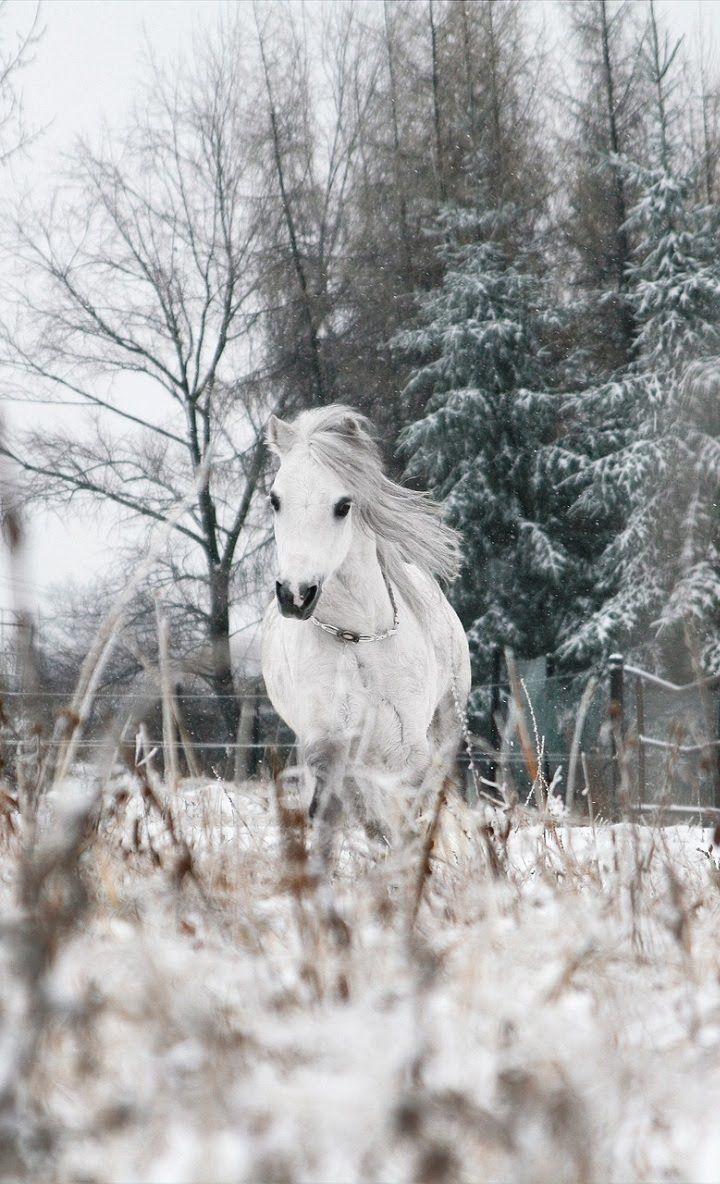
[
  {"x": 397, "y": 167},
  {"x": 468, "y": 62},
  {"x": 246, "y": 724},
  {"x": 622, "y": 242},
  {"x": 222, "y": 679},
  {"x": 496, "y": 176},
  {"x": 439, "y": 155},
  {"x": 306, "y": 294}
]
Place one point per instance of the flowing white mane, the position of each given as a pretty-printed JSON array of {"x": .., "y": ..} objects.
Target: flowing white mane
[{"x": 408, "y": 526}]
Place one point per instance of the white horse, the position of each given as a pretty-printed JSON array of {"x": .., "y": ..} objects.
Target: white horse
[{"x": 362, "y": 654}]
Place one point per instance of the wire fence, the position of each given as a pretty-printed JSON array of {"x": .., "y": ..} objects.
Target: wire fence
[{"x": 642, "y": 742}]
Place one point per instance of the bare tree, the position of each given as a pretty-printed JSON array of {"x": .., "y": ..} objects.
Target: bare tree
[
  {"x": 141, "y": 303},
  {"x": 607, "y": 115},
  {"x": 701, "y": 86},
  {"x": 660, "y": 53},
  {"x": 456, "y": 109},
  {"x": 318, "y": 77},
  {"x": 16, "y": 53}
]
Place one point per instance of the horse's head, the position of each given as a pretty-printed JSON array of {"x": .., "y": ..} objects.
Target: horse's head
[{"x": 313, "y": 518}]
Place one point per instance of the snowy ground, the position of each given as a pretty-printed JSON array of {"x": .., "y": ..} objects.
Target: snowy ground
[{"x": 543, "y": 1006}]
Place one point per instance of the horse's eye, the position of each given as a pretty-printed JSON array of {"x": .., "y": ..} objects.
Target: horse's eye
[
  {"x": 342, "y": 508},
  {"x": 274, "y": 500}
]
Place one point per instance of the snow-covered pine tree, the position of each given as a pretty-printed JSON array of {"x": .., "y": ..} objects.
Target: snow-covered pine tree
[
  {"x": 651, "y": 436},
  {"x": 480, "y": 441}
]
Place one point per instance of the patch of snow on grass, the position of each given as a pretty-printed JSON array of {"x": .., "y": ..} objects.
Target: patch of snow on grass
[{"x": 195, "y": 1012}]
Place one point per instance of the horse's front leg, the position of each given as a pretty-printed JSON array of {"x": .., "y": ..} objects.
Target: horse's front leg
[
  {"x": 325, "y": 762},
  {"x": 446, "y": 734}
]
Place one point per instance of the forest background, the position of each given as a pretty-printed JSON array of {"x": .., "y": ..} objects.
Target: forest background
[{"x": 512, "y": 268}]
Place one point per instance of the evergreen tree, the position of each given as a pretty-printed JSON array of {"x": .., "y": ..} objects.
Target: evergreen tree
[
  {"x": 651, "y": 436},
  {"x": 480, "y": 443},
  {"x": 455, "y": 81}
]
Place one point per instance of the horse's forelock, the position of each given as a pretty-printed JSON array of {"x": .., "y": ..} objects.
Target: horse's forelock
[{"x": 342, "y": 438}]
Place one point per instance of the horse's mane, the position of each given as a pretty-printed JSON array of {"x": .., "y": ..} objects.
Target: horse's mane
[{"x": 408, "y": 526}]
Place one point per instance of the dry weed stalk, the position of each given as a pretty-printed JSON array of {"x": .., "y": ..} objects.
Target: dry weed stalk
[
  {"x": 530, "y": 756},
  {"x": 425, "y": 868},
  {"x": 52, "y": 897},
  {"x": 168, "y": 714},
  {"x": 584, "y": 706},
  {"x": 299, "y": 881},
  {"x": 186, "y": 740},
  {"x": 25, "y": 770},
  {"x": 184, "y": 864},
  {"x": 172, "y": 721},
  {"x": 545, "y": 1099}
]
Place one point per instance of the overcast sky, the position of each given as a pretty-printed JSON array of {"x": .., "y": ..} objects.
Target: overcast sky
[{"x": 87, "y": 69}]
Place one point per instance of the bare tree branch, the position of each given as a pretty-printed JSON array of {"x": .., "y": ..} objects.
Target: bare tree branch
[{"x": 78, "y": 482}]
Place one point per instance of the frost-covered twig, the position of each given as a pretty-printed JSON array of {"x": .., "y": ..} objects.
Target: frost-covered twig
[{"x": 583, "y": 708}]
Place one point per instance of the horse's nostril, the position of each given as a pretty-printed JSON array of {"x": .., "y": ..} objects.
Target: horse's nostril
[
  {"x": 307, "y": 594},
  {"x": 296, "y": 604},
  {"x": 285, "y": 598}
]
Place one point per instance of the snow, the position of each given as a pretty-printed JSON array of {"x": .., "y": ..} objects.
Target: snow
[{"x": 555, "y": 1020}]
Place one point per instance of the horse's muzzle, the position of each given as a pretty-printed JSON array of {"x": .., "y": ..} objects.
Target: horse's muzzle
[{"x": 299, "y": 605}]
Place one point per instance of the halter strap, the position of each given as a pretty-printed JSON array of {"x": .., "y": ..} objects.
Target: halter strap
[{"x": 350, "y": 635}]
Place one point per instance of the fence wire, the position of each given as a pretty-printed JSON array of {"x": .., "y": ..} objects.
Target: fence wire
[{"x": 670, "y": 738}]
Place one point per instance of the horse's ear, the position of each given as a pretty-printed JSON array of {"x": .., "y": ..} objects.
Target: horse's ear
[
  {"x": 351, "y": 425},
  {"x": 279, "y": 436}
]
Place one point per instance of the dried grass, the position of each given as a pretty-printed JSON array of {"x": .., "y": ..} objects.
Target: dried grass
[
  {"x": 499, "y": 995},
  {"x": 186, "y": 1008}
]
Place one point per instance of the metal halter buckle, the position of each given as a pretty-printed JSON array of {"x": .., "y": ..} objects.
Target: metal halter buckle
[{"x": 348, "y": 635}]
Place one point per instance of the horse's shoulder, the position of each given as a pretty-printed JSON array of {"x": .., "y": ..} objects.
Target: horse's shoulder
[
  {"x": 436, "y": 607},
  {"x": 425, "y": 586},
  {"x": 418, "y": 577}
]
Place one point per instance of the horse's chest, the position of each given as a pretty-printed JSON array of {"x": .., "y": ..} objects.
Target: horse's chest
[
  {"x": 379, "y": 692},
  {"x": 383, "y": 692},
  {"x": 391, "y": 678},
  {"x": 367, "y": 704}
]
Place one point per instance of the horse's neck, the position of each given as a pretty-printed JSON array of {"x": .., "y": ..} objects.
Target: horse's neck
[{"x": 356, "y": 595}]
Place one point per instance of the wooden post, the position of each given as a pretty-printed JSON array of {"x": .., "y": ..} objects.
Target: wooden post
[
  {"x": 617, "y": 720},
  {"x": 170, "y": 761},
  {"x": 495, "y": 707},
  {"x": 254, "y": 757},
  {"x": 549, "y": 673},
  {"x": 640, "y": 722}
]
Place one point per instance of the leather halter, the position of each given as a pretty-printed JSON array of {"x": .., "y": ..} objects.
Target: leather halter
[{"x": 350, "y": 635}]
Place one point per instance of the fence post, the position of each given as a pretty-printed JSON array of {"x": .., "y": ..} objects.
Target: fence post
[
  {"x": 243, "y": 736},
  {"x": 640, "y": 724},
  {"x": 617, "y": 720},
  {"x": 495, "y": 707},
  {"x": 549, "y": 673},
  {"x": 495, "y": 675},
  {"x": 255, "y": 751}
]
